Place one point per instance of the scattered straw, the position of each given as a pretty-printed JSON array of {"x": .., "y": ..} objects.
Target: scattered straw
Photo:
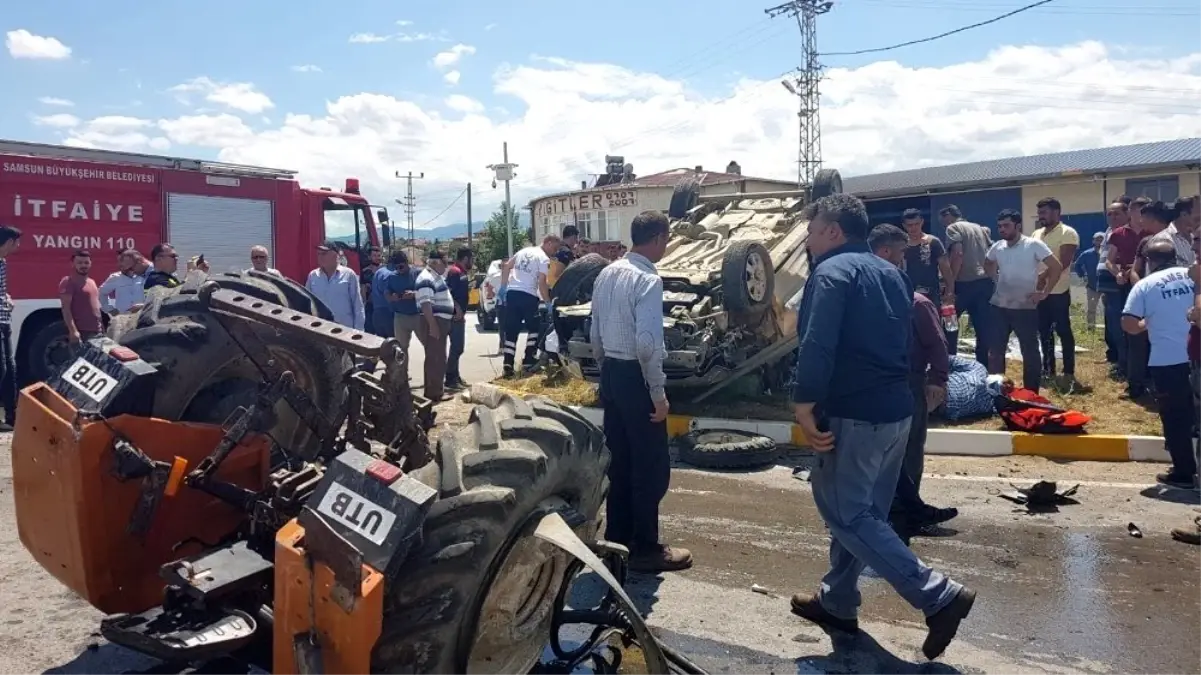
[{"x": 557, "y": 385}]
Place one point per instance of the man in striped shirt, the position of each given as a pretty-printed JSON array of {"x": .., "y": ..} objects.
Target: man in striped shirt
[{"x": 437, "y": 309}]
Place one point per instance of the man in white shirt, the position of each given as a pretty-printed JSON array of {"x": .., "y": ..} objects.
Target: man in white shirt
[
  {"x": 1016, "y": 262},
  {"x": 525, "y": 291},
  {"x": 259, "y": 260},
  {"x": 1184, "y": 216},
  {"x": 124, "y": 290},
  {"x": 337, "y": 286},
  {"x": 1159, "y": 304}
]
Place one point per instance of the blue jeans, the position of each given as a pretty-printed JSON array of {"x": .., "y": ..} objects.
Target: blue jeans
[
  {"x": 853, "y": 487},
  {"x": 1115, "y": 338}
]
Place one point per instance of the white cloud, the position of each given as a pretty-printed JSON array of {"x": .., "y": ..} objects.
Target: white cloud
[
  {"x": 241, "y": 96},
  {"x": 452, "y": 78},
  {"x": 368, "y": 38},
  {"x": 306, "y": 68},
  {"x": 464, "y": 104},
  {"x": 22, "y": 44},
  {"x": 452, "y": 56},
  {"x": 567, "y": 116},
  {"x": 61, "y": 121},
  {"x": 51, "y": 100},
  {"x": 374, "y": 38},
  {"x": 489, "y": 27},
  {"x": 403, "y": 22}
]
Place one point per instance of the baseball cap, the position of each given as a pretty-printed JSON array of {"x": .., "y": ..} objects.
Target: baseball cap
[{"x": 328, "y": 245}]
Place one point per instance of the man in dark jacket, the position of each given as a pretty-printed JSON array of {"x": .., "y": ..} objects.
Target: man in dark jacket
[
  {"x": 928, "y": 370},
  {"x": 853, "y": 404}
]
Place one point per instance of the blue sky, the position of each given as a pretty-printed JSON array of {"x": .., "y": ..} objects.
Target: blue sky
[
  {"x": 126, "y": 55},
  {"x": 130, "y": 50}
]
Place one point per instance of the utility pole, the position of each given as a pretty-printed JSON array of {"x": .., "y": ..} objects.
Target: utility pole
[
  {"x": 469, "y": 215},
  {"x": 504, "y": 172},
  {"x": 410, "y": 202},
  {"x": 806, "y": 85}
]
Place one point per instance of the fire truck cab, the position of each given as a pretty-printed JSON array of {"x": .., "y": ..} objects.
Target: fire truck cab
[{"x": 65, "y": 199}]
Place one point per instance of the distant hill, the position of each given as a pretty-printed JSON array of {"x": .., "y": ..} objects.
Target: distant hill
[{"x": 445, "y": 232}]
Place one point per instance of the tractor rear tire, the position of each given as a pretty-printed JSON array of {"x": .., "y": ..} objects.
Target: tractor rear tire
[
  {"x": 477, "y": 595},
  {"x": 205, "y": 375},
  {"x": 574, "y": 285}
]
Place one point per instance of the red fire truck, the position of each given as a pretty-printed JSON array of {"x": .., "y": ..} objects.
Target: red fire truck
[{"x": 64, "y": 198}]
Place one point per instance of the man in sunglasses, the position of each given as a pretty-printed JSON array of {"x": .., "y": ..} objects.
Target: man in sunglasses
[{"x": 165, "y": 261}]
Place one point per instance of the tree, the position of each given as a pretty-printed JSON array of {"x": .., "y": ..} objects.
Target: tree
[{"x": 492, "y": 243}]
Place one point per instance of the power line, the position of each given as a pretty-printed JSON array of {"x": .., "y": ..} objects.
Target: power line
[
  {"x": 443, "y": 211},
  {"x": 940, "y": 35}
]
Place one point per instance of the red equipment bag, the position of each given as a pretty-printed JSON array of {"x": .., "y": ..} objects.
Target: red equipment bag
[{"x": 1025, "y": 410}]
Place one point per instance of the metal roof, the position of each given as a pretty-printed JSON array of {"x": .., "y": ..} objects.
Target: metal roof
[{"x": 1013, "y": 169}]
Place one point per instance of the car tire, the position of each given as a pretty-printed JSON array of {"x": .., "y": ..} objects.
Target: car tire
[
  {"x": 827, "y": 182},
  {"x": 574, "y": 285},
  {"x": 748, "y": 279},
  {"x": 727, "y": 449},
  {"x": 683, "y": 198}
]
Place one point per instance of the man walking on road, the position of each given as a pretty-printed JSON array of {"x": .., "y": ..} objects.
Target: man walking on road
[
  {"x": 437, "y": 311},
  {"x": 10, "y": 240},
  {"x": 1054, "y": 312},
  {"x": 337, "y": 286},
  {"x": 627, "y": 340},
  {"x": 1159, "y": 305},
  {"x": 852, "y": 401},
  {"x": 973, "y": 288},
  {"x": 1014, "y": 263},
  {"x": 526, "y": 289},
  {"x": 928, "y": 370},
  {"x": 1085, "y": 267},
  {"x": 457, "y": 280}
]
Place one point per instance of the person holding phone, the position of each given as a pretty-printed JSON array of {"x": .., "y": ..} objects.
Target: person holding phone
[{"x": 852, "y": 400}]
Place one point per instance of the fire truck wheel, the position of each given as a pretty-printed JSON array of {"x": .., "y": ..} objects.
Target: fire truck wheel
[
  {"x": 477, "y": 595},
  {"x": 206, "y": 375}
]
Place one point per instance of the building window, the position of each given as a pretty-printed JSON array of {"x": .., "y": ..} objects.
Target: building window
[
  {"x": 583, "y": 220},
  {"x": 1164, "y": 188}
]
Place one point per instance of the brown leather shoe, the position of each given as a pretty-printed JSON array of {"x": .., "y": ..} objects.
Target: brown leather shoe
[
  {"x": 809, "y": 607},
  {"x": 663, "y": 559}
]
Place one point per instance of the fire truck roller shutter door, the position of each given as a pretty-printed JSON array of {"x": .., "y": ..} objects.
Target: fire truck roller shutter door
[{"x": 222, "y": 228}]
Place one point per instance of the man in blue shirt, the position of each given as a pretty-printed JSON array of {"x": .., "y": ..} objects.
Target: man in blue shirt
[
  {"x": 402, "y": 299},
  {"x": 1086, "y": 268},
  {"x": 382, "y": 323},
  {"x": 852, "y": 400}
]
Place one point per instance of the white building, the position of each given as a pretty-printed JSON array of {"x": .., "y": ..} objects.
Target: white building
[{"x": 604, "y": 213}]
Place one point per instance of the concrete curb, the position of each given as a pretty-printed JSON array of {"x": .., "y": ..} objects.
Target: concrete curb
[{"x": 1100, "y": 448}]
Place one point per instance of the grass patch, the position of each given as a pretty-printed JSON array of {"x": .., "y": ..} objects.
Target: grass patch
[{"x": 1097, "y": 394}]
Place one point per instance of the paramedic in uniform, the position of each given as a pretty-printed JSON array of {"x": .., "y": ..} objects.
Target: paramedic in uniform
[
  {"x": 525, "y": 291},
  {"x": 1158, "y": 305},
  {"x": 627, "y": 341}
]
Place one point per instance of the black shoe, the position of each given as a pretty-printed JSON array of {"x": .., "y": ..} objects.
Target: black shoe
[
  {"x": 808, "y": 607},
  {"x": 5, "y": 427},
  {"x": 1175, "y": 480},
  {"x": 945, "y": 623},
  {"x": 508, "y": 374},
  {"x": 1133, "y": 393},
  {"x": 936, "y": 516}
]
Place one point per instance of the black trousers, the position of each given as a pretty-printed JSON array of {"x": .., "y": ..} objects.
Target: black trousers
[
  {"x": 8, "y": 374},
  {"x": 1054, "y": 318},
  {"x": 1024, "y": 322},
  {"x": 521, "y": 314},
  {"x": 1138, "y": 350},
  {"x": 907, "y": 502},
  {"x": 1178, "y": 414},
  {"x": 973, "y": 297},
  {"x": 640, "y": 466}
]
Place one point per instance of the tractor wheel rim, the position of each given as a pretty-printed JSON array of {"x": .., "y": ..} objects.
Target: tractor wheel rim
[
  {"x": 514, "y": 617},
  {"x": 756, "y": 277}
]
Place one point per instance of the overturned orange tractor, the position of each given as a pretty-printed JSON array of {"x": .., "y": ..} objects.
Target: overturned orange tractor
[{"x": 219, "y": 478}]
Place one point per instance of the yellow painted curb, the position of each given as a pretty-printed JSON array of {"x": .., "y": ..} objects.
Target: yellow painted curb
[{"x": 1099, "y": 448}]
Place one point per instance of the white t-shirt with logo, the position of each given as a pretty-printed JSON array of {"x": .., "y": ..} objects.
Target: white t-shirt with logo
[
  {"x": 528, "y": 263},
  {"x": 1163, "y": 299},
  {"x": 1018, "y": 266}
]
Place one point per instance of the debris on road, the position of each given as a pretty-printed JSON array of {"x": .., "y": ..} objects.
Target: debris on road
[
  {"x": 763, "y": 590},
  {"x": 1042, "y": 496},
  {"x": 1134, "y": 531}
]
